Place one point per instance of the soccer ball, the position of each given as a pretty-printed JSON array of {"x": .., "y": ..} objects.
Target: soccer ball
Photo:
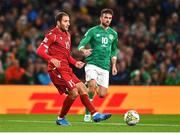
[{"x": 131, "y": 117}]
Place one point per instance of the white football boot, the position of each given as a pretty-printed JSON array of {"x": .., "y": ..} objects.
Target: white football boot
[{"x": 87, "y": 118}]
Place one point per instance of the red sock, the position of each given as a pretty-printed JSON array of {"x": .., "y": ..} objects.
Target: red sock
[
  {"x": 66, "y": 106},
  {"x": 86, "y": 102}
]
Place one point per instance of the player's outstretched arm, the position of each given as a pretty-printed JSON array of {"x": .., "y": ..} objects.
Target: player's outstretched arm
[
  {"x": 86, "y": 52},
  {"x": 85, "y": 40},
  {"x": 78, "y": 64}
]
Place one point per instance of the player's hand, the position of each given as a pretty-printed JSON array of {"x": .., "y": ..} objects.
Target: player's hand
[
  {"x": 79, "y": 64},
  {"x": 114, "y": 70},
  {"x": 86, "y": 52},
  {"x": 56, "y": 62}
]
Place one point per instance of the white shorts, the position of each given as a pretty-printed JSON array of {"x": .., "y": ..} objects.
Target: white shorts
[{"x": 100, "y": 75}]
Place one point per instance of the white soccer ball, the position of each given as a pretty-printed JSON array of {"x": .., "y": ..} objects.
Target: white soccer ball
[{"x": 131, "y": 117}]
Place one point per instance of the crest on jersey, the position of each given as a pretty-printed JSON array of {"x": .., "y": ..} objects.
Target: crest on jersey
[
  {"x": 97, "y": 35},
  {"x": 111, "y": 36}
]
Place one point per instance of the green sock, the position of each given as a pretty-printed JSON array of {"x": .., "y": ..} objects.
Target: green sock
[{"x": 91, "y": 95}]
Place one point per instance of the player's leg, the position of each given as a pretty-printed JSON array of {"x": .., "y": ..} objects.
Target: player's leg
[
  {"x": 62, "y": 86},
  {"x": 91, "y": 88},
  {"x": 103, "y": 83},
  {"x": 69, "y": 100},
  {"x": 91, "y": 92},
  {"x": 102, "y": 91},
  {"x": 84, "y": 97},
  {"x": 91, "y": 76},
  {"x": 97, "y": 117}
]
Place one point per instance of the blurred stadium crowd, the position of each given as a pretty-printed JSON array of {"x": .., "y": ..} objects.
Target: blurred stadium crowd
[{"x": 149, "y": 38}]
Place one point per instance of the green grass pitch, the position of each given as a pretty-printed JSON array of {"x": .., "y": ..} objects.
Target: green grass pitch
[{"x": 46, "y": 123}]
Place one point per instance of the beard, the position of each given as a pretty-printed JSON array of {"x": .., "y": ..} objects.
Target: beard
[
  {"x": 106, "y": 24},
  {"x": 64, "y": 29}
]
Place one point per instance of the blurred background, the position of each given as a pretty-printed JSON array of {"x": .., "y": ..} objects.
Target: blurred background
[{"x": 148, "y": 32}]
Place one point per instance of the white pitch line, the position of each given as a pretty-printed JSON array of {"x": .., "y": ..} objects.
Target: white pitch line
[{"x": 122, "y": 124}]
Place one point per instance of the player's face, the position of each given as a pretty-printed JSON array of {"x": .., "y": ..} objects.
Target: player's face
[
  {"x": 106, "y": 19},
  {"x": 65, "y": 23}
]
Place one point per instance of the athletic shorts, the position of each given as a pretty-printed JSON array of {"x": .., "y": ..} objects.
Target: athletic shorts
[
  {"x": 100, "y": 75},
  {"x": 64, "y": 81}
]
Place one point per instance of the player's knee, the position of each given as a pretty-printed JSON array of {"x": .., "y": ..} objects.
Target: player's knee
[
  {"x": 74, "y": 95},
  {"x": 92, "y": 85},
  {"x": 81, "y": 88},
  {"x": 91, "y": 90},
  {"x": 102, "y": 95}
]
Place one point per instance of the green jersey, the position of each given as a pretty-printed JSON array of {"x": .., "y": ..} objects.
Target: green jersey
[{"x": 104, "y": 44}]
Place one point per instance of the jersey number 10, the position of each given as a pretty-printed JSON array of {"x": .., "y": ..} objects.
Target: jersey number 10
[{"x": 104, "y": 40}]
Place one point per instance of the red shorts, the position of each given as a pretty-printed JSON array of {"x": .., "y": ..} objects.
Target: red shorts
[{"x": 63, "y": 80}]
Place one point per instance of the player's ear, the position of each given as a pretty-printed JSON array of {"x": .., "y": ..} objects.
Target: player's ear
[
  {"x": 100, "y": 18},
  {"x": 58, "y": 23}
]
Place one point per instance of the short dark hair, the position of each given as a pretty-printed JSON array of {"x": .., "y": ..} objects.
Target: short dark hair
[
  {"x": 59, "y": 16},
  {"x": 107, "y": 11}
]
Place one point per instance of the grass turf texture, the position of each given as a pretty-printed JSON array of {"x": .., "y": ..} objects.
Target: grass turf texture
[{"x": 46, "y": 123}]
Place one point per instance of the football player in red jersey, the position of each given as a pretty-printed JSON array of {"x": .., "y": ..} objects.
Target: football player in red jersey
[{"x": 55, "y": 48}]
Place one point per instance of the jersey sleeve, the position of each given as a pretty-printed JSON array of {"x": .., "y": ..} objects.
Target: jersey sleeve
[
  {"x": 114, "y": 48},
  {"x": 42, "y": 50},
  {"x": 86, "y": 39},
  {"x": 72, "y": 60}
]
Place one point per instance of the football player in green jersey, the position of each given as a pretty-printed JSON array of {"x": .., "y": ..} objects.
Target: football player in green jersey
[{"x": 103, "y": 41}]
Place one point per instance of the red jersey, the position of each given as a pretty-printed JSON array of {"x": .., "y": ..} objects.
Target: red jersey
[{"x": 57, "y": 44}]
